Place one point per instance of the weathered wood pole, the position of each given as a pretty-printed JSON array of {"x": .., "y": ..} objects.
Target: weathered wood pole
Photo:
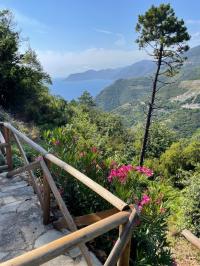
[
  {"x": 70, "y": 222},
  {"x": 125, "y": 256},
  {"x": 46, "y": 193},
  {"x": 120, "y": 250},
  {"x": 8, "y": 148}
]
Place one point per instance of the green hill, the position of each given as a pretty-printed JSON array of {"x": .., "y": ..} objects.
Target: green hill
[
  {"x": 179, "y": 100},
  {"x": 135, "y": 70}
]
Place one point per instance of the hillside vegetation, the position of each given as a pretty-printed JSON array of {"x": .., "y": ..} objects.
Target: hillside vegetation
[{"x": 127, "y": 97}]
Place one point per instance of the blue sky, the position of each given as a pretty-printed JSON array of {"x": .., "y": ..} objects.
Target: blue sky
[{"x": 76, "y": 35}]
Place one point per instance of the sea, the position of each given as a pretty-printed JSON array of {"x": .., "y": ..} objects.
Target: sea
[{"x": 70, "y": 90}]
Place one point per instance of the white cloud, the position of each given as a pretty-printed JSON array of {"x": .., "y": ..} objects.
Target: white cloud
[
  {"x": 193, "y": 21},
  {"x": 121, "y": 41},
  {"x": 103, "y": 31},
  {"x": 60, "y": 64}
]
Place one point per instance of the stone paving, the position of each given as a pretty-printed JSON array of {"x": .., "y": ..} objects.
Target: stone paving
[{"x": 21, "y": 227}]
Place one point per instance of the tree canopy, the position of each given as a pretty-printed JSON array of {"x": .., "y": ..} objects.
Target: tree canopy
[{"x": 166, "y": 36}]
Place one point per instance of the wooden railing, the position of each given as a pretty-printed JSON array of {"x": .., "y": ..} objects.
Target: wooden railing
[{"x": 122, "y": 216}]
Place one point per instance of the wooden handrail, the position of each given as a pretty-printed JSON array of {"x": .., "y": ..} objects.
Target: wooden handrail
[
  {"x": 104, "y": 193},
  {"x": 61, "y": 245}
]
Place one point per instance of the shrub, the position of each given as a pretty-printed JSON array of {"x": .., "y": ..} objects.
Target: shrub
[
  {"x": 149, "y": 236},
  {"x": 191, "y": 205}
]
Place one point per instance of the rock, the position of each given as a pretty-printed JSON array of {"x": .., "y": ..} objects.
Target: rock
[
  {"x": 8, "y": 199},
  {"x": 60, "y": 261},
  {"x": 47, "y": 237},
  {"x": 11, "y": 207},
  {"x": 15, "y": 186},
  {"x": 80, "y": 261},
  {"x": 73, "y": 252},
  {"x": 3, "y": 255}
]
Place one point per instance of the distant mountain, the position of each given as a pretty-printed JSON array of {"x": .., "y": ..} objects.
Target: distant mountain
[
  {"x": 94, "y": 74},
  {"x": 137, "y": 69},
  {"x": 180, "y": 101}
]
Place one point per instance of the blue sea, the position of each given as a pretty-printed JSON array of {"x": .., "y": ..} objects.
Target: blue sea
[{"x": 73, "y": 89}]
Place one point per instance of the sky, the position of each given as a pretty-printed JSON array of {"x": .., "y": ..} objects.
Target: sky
[{"x": 73, "y": 36}]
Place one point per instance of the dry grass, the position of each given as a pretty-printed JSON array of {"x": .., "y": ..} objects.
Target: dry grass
[{"x": 184, "y": 253}]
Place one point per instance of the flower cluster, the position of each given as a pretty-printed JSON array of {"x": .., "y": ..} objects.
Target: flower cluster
[
  {"x": 144, "y": 170},
  {"x": 144, "y": 201},
  {"x": 120, "y": 173}
]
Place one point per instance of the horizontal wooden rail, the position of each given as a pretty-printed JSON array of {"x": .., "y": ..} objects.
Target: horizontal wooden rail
[
  {"x": 85, "y": 220},
  {"x": 191, "y": 238},
  {"x": 25, "y": 168},
  {"x": 3, "y": 167},
  {"x": 59, "y": 246},
  {"x": 3, "y": 145},
  {"x": 104, "y": 193},
  {"x": 93, "y": 217}
]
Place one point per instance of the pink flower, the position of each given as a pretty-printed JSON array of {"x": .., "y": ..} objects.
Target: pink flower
[
  {"x": 144, "y": 201},
  {"x": 144, "y": 170},
  {"x": 120, "y": 173},
  {"x": 94, "y": 149}
]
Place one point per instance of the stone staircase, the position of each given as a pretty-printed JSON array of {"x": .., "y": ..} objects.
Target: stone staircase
[{"x": 21, "y": 224}]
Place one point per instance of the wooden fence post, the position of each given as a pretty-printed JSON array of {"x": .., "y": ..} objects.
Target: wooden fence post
[
  {"x": 8, "y": 149},
  {"x": 125, "y": 256},
  {"x": 46, "y": 200},
  {"x": 120, "y": 253}
]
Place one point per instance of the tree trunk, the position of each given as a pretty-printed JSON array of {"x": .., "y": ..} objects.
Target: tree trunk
[{"x": 151, "y": 107}]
